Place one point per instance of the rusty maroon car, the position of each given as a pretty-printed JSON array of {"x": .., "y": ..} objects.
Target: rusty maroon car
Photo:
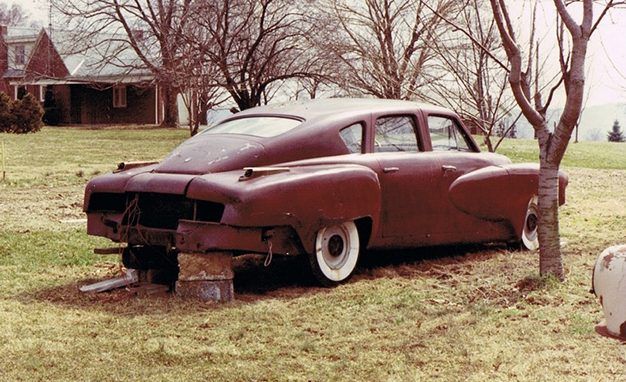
[{"x": 325, "y": 179}]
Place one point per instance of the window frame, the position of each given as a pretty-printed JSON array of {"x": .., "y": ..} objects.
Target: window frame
[
  {"x": 120, "y": 96},
  {"x": 363, "y": 140},
  {"x": 20, "y": 55},
  {"x": 416, "y": 131},
  {"x": 208, "y": 130},
  {"x": 471, "y": 145},
  {"x": 20, "y": 91}
]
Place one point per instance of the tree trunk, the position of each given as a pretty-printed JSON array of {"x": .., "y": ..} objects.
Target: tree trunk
[
  {"x": 170, "y": 110},
  {"x": 550, "y": 262},
  {"x": 244, "y": 101},
  {"x": 488, "y": 143}
]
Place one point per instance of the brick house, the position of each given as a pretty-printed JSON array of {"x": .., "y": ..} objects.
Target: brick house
[{"x": 78, "y": 88}]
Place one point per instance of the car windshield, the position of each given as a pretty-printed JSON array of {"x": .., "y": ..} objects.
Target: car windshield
[{"x": 257, "y": 126}]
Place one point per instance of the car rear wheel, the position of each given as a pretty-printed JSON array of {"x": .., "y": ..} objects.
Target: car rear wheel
[
  {"x": 336, "y": 253},
  {"x": 530, "y": 240}
]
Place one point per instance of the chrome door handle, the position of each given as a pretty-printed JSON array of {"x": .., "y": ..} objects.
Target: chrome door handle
[
  {"x": 448, "y": 168},
  {"x": 387, "y": 170}
]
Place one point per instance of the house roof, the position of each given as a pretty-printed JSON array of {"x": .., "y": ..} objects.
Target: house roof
[
  {"x": 21, "y": 35},
  {"x": 13, "y": 73},
  {"x": 104, "y": 58},
  {"x": 131, "y": 79}
]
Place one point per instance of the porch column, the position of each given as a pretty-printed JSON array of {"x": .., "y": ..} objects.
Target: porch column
[{"x": 156, "y": 104}]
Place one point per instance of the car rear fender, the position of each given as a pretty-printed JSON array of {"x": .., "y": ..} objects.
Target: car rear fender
[
  {"x": 114, "y": 183},
  {"x": 306, "y": 198},
  {"x": 500, "y": 192}
]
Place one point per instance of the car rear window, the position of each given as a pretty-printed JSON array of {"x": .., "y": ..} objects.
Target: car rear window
[{"x": 257, "y": 126}]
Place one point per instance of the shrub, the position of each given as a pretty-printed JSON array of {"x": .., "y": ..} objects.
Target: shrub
[
  {"x": 6, "y": 118},
  {"x": 28, "y": 114}
]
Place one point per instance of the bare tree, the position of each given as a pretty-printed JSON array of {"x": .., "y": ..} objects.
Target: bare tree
[
  {"x": 474, "y": 79},
  {"x": 255, "y": 44},
  {"x": 382, "y": 48},
  {"x": 13, "y": 16},
  {"x": 573, "y": 38},
  {"x": 199, "y": 88},
  {"x": 313, "y": 87},
  {"x": 199, "y": 97},
  {"x": 152, "y": 29}
]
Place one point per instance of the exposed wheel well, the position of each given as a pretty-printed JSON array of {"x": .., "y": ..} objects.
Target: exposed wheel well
[{"x": 364, "y": 226}]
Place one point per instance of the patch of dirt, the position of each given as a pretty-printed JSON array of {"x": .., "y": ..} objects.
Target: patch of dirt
[
  {"x": 441, "y": 263},
  {"x": 285, "y": 278},
  {"x": 289, "y": 277},
  {"x": 503, "y": 296},
  {"x": 530, "y": 284}
]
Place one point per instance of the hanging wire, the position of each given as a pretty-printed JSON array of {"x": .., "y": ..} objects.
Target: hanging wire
[{"x": 268, "y": 258}]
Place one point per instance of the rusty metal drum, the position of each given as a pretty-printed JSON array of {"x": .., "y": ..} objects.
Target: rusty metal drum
[{"x": 609, "y": 284}]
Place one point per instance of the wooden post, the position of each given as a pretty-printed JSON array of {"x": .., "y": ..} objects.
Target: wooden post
[
  {"x": 205, "y": 276},
  {"x": 4, "y": 172}
]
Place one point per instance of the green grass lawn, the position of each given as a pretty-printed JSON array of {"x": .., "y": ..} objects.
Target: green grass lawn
[
  {"x": 437, "y": 314},
  {"x": 598, "y": 155},
  {"x": 58, "y": 156}
]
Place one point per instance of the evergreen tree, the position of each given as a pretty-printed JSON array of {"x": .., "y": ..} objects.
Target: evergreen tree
[
  {"x": 616, "y": 135},
  {"x": 6, "y": 118},
  {"x": 28, "y": 113}
]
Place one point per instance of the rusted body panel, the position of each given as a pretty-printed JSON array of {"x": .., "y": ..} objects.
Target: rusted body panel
[
  {"x": 203, "y": 237},
  {"x": 200, "y": 198}
]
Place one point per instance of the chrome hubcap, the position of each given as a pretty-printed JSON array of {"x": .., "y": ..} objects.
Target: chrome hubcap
[
  {"x": 335, "y": 245},
  {"x": 531, "y": 222}
]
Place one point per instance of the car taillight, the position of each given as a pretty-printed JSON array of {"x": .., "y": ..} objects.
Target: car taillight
[
  {"x": 107, "y": 202},
  {"x": 208, "y": 211}
]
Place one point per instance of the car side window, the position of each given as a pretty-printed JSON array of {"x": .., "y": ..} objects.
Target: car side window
[
  {"x": 445, "y": 135},
  {"x": 396, "y": 133},
  {"x": 352, "y": 137}
]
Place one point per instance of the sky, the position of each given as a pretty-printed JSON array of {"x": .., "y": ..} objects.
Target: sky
[
  {"x": 606, "y": 60},
  {"x": 606, "y": 53},
  {"x": 38, "y": 9}
]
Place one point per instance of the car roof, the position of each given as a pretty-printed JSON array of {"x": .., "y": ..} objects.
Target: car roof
[{"x": 312, "y": 109}]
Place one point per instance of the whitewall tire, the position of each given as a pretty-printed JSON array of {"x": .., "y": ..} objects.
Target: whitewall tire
[
  {"x": 530, "y": 239},
  {"x": 336, "y": 253}
]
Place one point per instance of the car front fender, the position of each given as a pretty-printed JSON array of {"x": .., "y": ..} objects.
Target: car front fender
[{"x": 500, "y": 192}]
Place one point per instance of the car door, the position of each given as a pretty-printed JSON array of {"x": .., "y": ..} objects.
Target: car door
[
  {"x": 410, "y": 203},
  {"x": 456, "y": 155}
]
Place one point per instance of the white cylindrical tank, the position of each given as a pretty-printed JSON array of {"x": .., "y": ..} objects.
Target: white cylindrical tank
[{"x": 609, "y": 284}]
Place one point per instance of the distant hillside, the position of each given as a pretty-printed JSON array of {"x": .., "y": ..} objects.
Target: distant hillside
[{"x": 594, "y": 125}]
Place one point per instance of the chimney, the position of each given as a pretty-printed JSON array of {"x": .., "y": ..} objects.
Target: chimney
[
  {"x": 4, "y": 59},
  {"x": 4, "y": 51}
]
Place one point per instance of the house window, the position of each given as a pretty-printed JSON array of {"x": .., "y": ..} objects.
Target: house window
[
  {"x": 20, "y": 92},
  {"x": 119, "y": 96},
  {"x": 20, "y": 55}
]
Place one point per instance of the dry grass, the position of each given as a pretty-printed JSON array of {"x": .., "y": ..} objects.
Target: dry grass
[{"x": 473, "y": 313}]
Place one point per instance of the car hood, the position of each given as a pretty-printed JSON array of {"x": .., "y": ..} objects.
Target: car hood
[{"x": 206, "y": 153}]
